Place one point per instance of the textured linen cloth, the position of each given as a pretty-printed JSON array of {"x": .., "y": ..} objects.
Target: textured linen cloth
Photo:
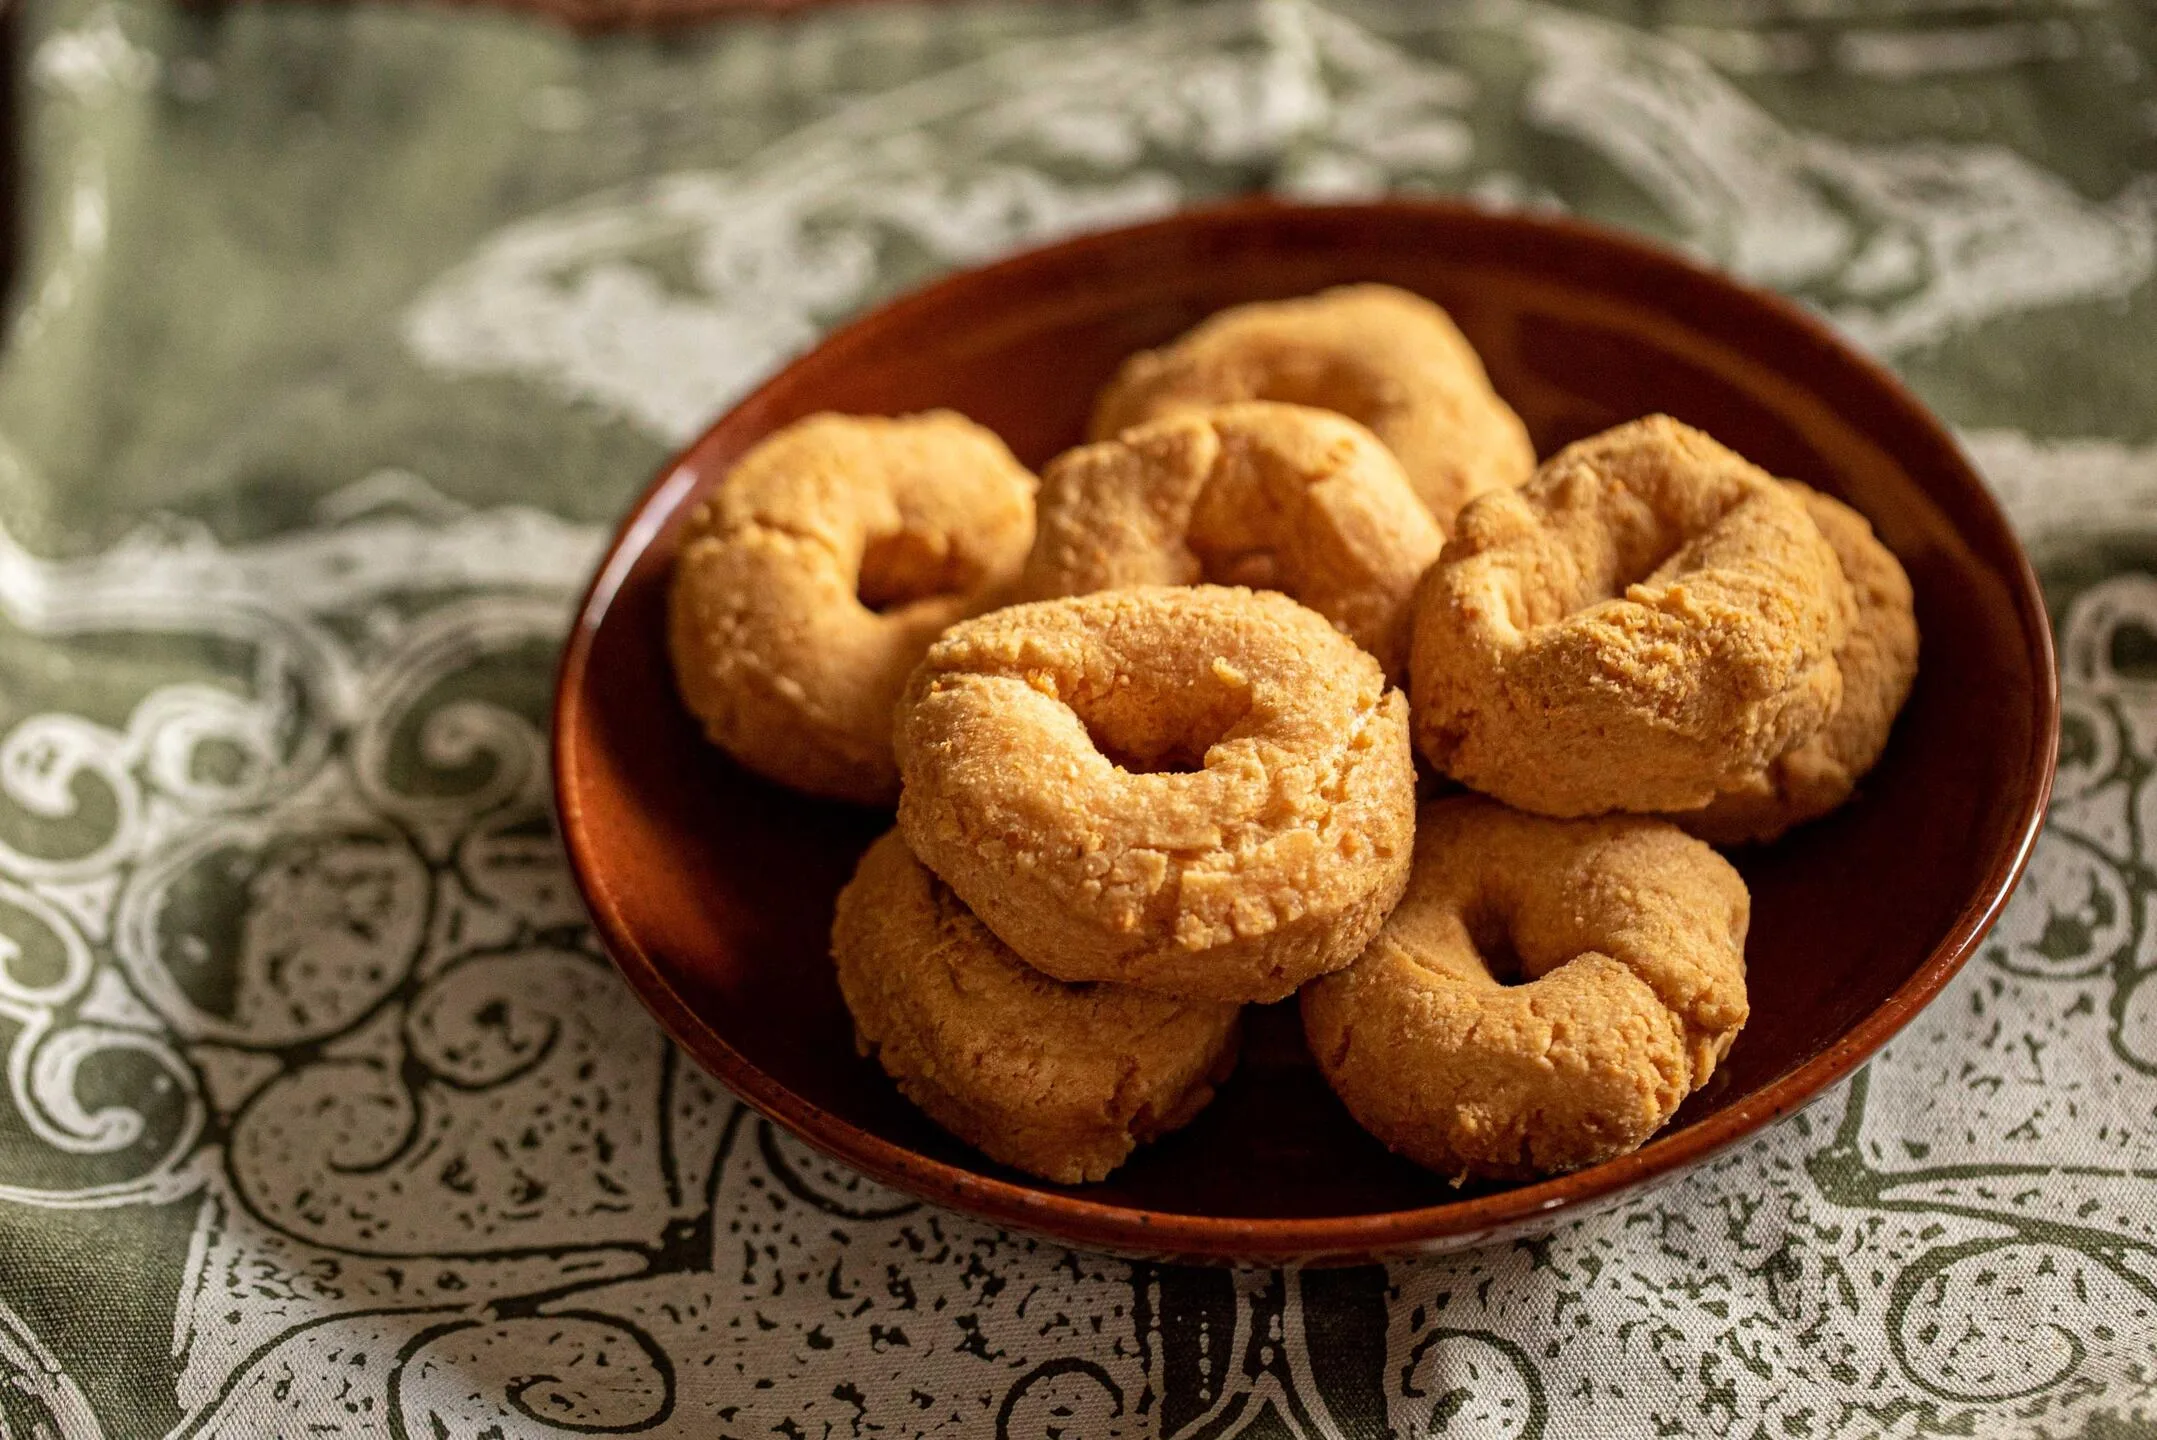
[{"x": 341, "y": 336}]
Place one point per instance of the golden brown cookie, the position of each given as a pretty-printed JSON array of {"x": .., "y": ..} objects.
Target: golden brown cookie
[
  {"x": 1646, "y": 623},
  {"x": 816, "y": 574},
  {"x": 1206, "y": 791},
  {"x": 1878, "y": 661},
  {"x": 1277, "y": 497},
  {"x": 1063, "y": 1081},
  {"x": 1383, "y": 357},
  {"x": 1545, "y": 997}
]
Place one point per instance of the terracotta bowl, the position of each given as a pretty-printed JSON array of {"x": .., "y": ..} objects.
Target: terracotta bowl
[{"x": 713, "y": 890}]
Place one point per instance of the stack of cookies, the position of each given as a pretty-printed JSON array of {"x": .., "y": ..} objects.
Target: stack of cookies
[{"x": 1148, "y": 726}]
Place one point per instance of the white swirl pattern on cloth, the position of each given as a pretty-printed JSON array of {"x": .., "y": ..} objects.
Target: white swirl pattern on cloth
[{"x": 317, "y": 976}]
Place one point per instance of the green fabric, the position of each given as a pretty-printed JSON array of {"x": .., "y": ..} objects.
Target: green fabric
[{"x": 343, "y": 333}]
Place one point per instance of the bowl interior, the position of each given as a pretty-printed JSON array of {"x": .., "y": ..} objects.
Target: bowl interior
[{"x": 715, "y": 889}]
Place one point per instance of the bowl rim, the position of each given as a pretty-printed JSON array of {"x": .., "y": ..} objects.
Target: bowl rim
[{"x": 1131, "y": 1230}]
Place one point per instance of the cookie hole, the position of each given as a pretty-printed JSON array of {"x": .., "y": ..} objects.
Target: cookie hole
[
  {"x": 1643, "y": 561},
  {"x": 1180, "y": 758},
  {"x": 1492, "y": 937},
  {"x": 1343, "y": 389},
  {"x": 1661, "y": 548},
  {"x": 1145, "y": 733},
  {"x": 1504, "y": 962},
  {"x": 907, "y": 567},
  {"x": 1258, "y": 569}
]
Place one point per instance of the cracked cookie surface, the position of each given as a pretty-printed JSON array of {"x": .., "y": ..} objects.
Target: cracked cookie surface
[
  {"x": 1546, "y": 995},
  {"x": 1277, "y": 497},
  {"x": 1648, "y": 622},
  {"x": 1878, "y": 661},
  {"x": 1382, "y": 356},
  {"x": 1206, "y": 791},
  {"x": 1062, "y": 1081},
  {"x": 814, "y": 576}
]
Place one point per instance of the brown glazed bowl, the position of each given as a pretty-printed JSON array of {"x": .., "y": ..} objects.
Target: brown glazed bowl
[{"x": 713, "y": 890}]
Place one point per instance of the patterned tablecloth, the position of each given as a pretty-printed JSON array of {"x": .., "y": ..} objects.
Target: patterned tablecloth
[{"x": 342, "y": 334}]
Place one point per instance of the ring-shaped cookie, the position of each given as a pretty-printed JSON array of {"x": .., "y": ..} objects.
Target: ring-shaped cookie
[
  {"x": 1878, "y": 661},
  {"x": 1203, "y": 791},
  {"x": 1384, "y": 357},
  {"x": 815, "y": 575},
  {"x": 1646, "y": 623},
  {"x": 1062, "y": 1081},
  {"x": 1625, "y": 942},
  {"x": 1276, "y": 497}
]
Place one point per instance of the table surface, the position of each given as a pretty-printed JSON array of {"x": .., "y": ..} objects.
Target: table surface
[{"x": 341, "y": 334}]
